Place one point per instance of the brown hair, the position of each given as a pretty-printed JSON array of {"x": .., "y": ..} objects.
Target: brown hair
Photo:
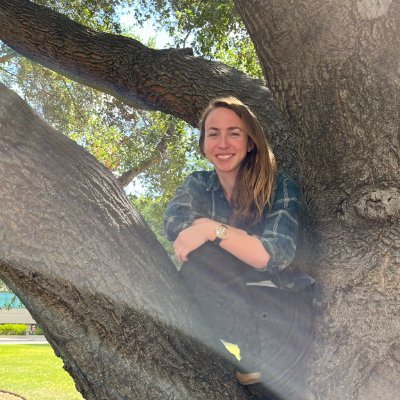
[{"x": 255, "y": 181}]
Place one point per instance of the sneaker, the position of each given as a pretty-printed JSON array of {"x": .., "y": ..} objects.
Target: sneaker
[{"x": 248, "y": 378}]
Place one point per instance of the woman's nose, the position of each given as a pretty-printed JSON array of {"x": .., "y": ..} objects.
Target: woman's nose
[{"x": 223, "y": 141}]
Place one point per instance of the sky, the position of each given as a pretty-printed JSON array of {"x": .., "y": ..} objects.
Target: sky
[{"x": 146, "y": 32}]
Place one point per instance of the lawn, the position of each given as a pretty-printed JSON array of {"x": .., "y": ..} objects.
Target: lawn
[{"x": 35, "y": 372}]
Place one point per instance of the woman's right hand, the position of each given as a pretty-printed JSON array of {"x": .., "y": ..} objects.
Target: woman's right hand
[{"x": 188, "y": 240}]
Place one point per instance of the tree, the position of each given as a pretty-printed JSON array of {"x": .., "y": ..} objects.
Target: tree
[{"x": 332, "y": 69}]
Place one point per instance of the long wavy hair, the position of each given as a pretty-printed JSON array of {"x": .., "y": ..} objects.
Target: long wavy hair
[{"x": 256, "y": 177}]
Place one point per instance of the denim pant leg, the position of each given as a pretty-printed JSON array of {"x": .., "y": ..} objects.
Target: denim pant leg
[
  {"x": 215, "y": 281},
  {"x": 272, "y": 327},
  {"x": 284, "y": 322}
]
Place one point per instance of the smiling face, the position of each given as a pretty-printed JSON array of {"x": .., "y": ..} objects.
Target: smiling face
[{"x": 226, "y": 142}]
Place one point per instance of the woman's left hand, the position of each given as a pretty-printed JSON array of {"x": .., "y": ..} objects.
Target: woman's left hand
[{"x": 192, "y": 238}]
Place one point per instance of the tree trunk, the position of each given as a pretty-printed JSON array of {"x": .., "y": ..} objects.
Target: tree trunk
[
  {"x": 91, "y": 272},
  {"x": 333, "y": 68}
]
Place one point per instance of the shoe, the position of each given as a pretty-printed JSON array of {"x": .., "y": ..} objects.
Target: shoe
[{"x": 248, "y": 378}]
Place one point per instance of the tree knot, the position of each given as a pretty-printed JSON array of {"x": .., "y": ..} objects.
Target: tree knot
[{"x": 379, "y": 204}]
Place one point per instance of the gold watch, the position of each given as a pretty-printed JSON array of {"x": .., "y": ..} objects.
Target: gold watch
[{"x": 222, "y": 232}]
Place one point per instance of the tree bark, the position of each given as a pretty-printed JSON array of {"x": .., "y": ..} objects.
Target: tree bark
[
  {"x": 333, "y": 69},
  {"x": 168, "y": 80},
  {"x": 91, "y": 272}
]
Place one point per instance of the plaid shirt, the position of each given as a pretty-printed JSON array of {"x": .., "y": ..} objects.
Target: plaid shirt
[{"x": 201, "y": 195}]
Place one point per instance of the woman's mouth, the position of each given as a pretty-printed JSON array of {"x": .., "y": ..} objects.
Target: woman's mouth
[{"x": 224, "y": 156}]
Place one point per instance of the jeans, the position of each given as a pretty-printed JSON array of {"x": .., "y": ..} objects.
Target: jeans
[{"x": 271, "y": 326}]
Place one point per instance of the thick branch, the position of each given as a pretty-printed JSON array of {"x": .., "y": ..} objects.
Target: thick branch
[
  {"x": 169, "y": 80},
  {"x": 333, "y": 67},
  {"x": 93, "y": 275},
  {"x": 156, "y": 79}
]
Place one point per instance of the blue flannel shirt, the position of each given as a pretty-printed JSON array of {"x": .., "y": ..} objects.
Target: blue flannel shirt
[{"x": 201, "y": 195}]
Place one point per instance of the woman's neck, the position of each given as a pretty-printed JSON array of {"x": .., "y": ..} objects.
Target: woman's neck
[{"x": 228, "y": 183}]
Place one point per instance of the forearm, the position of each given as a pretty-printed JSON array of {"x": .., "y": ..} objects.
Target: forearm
[
  {"x": 247, "y": 249},
  {"x": 239, "y": 243}
]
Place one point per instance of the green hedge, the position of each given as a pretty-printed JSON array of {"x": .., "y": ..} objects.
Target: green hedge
[
  {"x": 39, "y": 330},
  {"x": 13, "y": 329}
]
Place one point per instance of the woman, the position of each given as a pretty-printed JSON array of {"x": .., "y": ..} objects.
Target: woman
[{"x": 250, "y": 211}]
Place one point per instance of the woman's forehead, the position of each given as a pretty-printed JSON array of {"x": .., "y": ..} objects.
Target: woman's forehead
[{"x": 223, "y": 117}]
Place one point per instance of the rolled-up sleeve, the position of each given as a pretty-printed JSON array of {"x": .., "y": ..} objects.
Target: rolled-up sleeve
[
  {"x": 280, "y": 225},
  {"x": 182, "y": 209}
]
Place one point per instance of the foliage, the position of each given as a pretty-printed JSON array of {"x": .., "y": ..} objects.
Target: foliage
[
  {"x": 3, "y": 287},
  {"x": 34, "y": 371},
  {"x": 13, "y": 329},
  {"x": 117, "y": 135},
  {"x": 100, "y": 14},
  {"x": 213, "y": 29},
  {"x": 38, "y": 330}
]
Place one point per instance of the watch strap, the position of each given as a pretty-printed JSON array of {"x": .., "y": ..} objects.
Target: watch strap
[{"x": 217, "y": 241}]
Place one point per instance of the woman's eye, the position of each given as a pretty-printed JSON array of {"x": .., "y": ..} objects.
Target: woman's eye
[
  {"x": 235, "y": 133},
  {"x": 211, "y": 134}
]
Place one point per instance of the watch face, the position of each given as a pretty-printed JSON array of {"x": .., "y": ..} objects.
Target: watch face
[{"x": 222, "y": 232}]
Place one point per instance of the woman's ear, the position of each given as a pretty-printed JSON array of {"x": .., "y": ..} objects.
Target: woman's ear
[{"x": 250, "y": 145}]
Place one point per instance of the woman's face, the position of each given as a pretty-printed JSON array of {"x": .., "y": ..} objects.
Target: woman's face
[{"x": 226, "y": 142}]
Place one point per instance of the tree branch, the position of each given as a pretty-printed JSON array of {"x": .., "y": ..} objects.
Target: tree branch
[
  {"x": 167, "y": 80},
  {"x": 126, "y": 178},
  {"x": 78, "y": 255},
  {"x": 7, "y": 57}
]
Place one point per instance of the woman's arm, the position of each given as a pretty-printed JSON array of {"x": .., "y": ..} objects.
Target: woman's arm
[
  {"x": 272, "y": 250},
  {"x": 280, "y": 224},
  {"x": 239, "y": 243}
]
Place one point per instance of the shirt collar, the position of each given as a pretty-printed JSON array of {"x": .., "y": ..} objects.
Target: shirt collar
[{"x": 213, "y": 182}]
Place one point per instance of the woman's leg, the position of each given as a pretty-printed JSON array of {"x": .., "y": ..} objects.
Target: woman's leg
[
  {"x": 284, "y": 329},
  {"x": 215, "y": 281},
  {"x": 272, "y": 327}
]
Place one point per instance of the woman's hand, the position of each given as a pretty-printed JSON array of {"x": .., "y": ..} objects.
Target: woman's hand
[{"x": 201, "y": 231}]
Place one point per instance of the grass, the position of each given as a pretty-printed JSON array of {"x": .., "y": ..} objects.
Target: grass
[{"x": 35, "y": 372}]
